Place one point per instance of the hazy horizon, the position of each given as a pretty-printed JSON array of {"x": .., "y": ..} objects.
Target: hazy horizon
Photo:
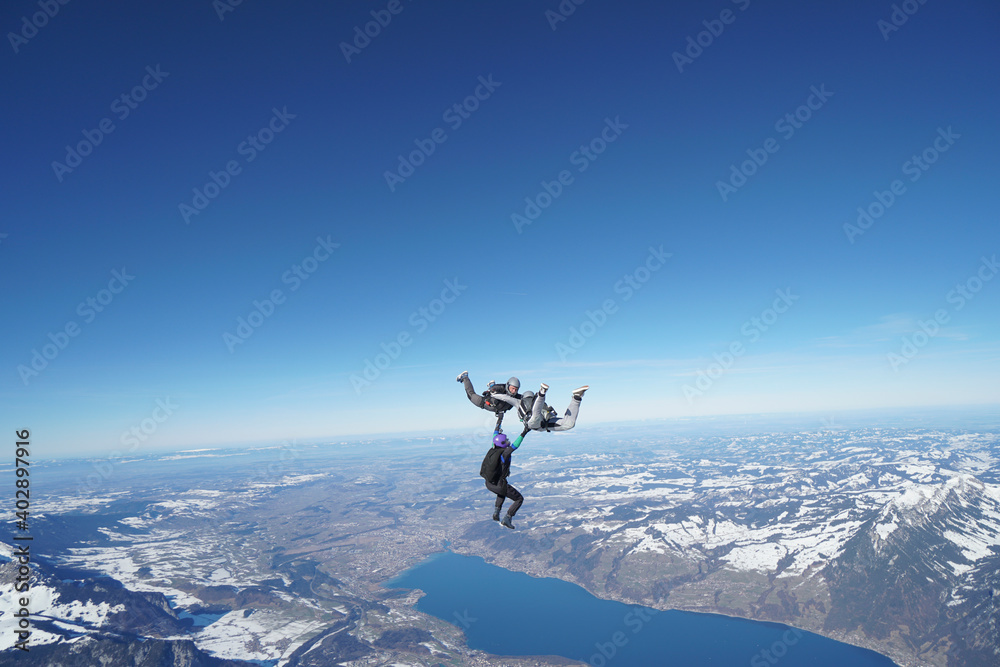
[{"x": 971, "y": 417}]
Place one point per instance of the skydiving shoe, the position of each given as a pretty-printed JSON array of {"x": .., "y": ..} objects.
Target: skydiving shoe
[
  {"x": 496, "y": 514},
  {"x": 506, "y": 522},
  {"x": 578, "y": 392},
  {"x": 545, "y": 388},
  {"x": 462, "y": 376}
]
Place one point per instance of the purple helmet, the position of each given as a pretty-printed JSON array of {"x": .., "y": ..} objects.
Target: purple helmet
[{"x": 500, "y": 440}]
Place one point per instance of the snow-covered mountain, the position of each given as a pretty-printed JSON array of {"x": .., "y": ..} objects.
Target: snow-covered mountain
[
  {"x": 90, "y": 620},
  {"x": 885, "y": 538},
  {"x": 920, "y": 562}
]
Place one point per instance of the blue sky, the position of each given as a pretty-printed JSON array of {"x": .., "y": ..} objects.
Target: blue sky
[{"x": 699, "y": 243}]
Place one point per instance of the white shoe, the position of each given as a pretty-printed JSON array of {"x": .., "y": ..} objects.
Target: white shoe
[
  {"x": 578, "y": 392},
  {"x": 544, "y": 389},
  {"x": 462, "y": 376}
]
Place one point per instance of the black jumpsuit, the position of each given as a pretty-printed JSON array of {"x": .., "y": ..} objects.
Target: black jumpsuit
[
  {"x": 502, "y": 488},
  {"x": 480, "y": 402}
]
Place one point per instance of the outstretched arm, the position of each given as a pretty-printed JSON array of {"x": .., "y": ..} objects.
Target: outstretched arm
[
  {"x": 518, "y": 439},
  {"x": 506, "y": 398}
]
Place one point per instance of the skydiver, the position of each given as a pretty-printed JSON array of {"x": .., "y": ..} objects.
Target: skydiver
[
  {"x": 502, "y": 489},
  {"x": 485, "y": 401},
  {"x": 540, "y": 416}
]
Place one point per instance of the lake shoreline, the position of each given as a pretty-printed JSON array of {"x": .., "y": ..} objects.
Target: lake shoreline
[{"x": 698, "y": 616}]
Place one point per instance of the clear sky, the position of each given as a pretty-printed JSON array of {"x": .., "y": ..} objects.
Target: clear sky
[{"x": 660, "y": 200}]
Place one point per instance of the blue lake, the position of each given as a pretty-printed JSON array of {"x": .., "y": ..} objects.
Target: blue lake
[{"x": 511, "y": 613}]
